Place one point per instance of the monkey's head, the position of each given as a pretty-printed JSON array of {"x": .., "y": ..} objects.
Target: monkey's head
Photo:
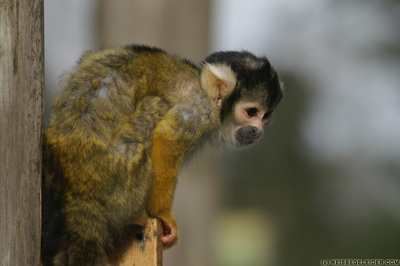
[{"x": 247, "y": 90}]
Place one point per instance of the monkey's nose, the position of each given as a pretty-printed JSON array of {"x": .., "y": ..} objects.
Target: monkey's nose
[
  {"x": 252, "y": 132},
  {"x": 248, "y": 135}
]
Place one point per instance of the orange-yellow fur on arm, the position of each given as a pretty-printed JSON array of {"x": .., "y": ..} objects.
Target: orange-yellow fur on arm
[
  {"x": 165, "y": 164},
  {"x": 167, "y": 155}
]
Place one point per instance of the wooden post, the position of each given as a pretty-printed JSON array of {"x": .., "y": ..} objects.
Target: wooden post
[
  {"x": 142, "y": 248},
  {"x": 21, "y": 127}
]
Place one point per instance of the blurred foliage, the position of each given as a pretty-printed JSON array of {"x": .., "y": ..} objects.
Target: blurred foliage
[
  {"x": 278, "y": 177},
  {"x": 281, "y": 178}
]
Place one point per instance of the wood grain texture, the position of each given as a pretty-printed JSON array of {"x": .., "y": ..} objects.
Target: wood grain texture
[
  {"x": 21, "y": 127},
  {"x": 143, "y": 246}
]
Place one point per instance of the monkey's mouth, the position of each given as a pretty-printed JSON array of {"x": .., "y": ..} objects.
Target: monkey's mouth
[{"x": 242, "y": 142}]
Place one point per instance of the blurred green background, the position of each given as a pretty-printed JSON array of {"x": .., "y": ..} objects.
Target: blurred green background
[{"x": 325, "y": 180}]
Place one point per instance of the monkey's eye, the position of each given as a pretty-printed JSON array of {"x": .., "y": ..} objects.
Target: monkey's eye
[
  {"x": 268, "y": 114},
  {"x": 252, "y": 112}
]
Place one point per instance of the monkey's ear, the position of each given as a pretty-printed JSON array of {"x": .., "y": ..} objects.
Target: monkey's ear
[{"x": 218, "y": 80}]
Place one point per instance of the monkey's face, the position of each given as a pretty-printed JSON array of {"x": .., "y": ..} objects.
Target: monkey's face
[
  {"x": 247, "y": 89},
  {"x": 249, "y": 119}
]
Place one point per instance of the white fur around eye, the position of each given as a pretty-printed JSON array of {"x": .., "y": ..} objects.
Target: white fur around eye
[{"x": 243, "y": 118}]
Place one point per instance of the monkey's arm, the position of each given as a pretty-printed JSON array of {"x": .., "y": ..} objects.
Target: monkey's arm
[{"x": 179, "y": 132}]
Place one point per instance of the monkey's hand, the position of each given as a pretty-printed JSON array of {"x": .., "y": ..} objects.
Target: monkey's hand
[{"x": 170, "y": 230}]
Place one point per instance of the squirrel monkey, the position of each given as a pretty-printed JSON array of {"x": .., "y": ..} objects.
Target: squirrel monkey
[{"x": 120, "y": 129}]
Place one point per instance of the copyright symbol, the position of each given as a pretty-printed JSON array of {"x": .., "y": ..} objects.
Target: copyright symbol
[{"x": 324, "y": 262}]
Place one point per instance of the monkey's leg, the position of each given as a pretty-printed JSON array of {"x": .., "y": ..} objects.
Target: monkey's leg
[{"x": 87, "y": 228}]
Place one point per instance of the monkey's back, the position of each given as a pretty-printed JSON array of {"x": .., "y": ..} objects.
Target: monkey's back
[{"x": 97, "y": 110}]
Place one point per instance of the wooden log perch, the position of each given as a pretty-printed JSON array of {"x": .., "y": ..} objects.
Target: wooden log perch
[
  {"x": 21, "y": 128},
  {"x": 143, "y": 246}
]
